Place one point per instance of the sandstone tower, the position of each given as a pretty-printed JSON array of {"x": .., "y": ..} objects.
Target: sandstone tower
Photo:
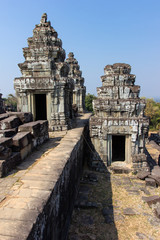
[
  {"x": 79, "y": 90},
  {"x": 45, "y": 88},
  {"x": 119, "y": 128}
]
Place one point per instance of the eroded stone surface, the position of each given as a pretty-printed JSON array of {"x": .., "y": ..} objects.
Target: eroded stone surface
[
  {"x": 79, "y": 88},
  {"x": 46, "y": 72},
  {"x": 119, "y": 121}
]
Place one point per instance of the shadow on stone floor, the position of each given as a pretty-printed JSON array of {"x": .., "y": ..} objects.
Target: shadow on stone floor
[{"x": 93, "y": 215}]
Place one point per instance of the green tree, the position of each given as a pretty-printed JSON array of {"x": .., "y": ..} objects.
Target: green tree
[
  {"x": 88, "y": 101},
  {"x": 10, "y": 102},
  {"x": 153, "y": 112}
]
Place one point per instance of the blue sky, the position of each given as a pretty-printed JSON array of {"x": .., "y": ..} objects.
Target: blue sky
[{"x": 99, "y": 32}]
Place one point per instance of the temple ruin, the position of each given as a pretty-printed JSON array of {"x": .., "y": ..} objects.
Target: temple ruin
[
  {"x": 1, "y": 104},
  {"x": 79, "y": 90},
  {"x": 119, "y": 128},
  {"x": 45, "y": 88}
]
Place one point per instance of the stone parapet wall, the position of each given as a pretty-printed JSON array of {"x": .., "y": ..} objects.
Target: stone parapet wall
[{"x": 41, "y": 207}]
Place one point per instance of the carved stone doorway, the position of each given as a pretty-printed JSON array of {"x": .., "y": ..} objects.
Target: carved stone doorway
[
  {"x": 118, "y": 148},
  {"x": 40, "y": 107}
]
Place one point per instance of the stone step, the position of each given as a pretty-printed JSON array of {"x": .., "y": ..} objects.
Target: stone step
[
  {"x": 120, "y": 169},
  {"x": 33, "y": 127},
  {"x": 6, "y": 153},
  {"x": 3, "y": 116},
  {"x": 24, "y": 117},
  {"x": 6, "y": 142},
  {"x": 21, "y": 140},
  {"x": 10, "y": 122},
  {"x": 43, "y": 126},
  {"x": 9, "y": 164},
  {"x": 8, "y": 132}
]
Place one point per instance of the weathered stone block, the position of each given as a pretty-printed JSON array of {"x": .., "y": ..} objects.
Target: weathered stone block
[
  {"x": 6, "y": 153},
  {"x": 151, "y": 200},
  {"x": 43, "y": 126},
  {"x": 6, "y": 142},
  {"x": 21, "y": 140},
  {"x": 156, "y": 178},
  {"x": 33, "y": 127},
  {"x": 8, "y": 132},
  {"x": 24, "y": 117},
  {"x": 150, "y": 182},
  {"x": 9, "y": 164},
  {"x": 10, "y": 122},
  {"x": 26, "y": 151},
  {"x": 157, "y": 211},
  {"x": 3, "y": 116},
  {"x": 142, "y": 175},
  {"x": 156, "y": 171}
]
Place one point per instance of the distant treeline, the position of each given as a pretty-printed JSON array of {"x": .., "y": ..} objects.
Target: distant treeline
[{"x": 153, "y": 112}]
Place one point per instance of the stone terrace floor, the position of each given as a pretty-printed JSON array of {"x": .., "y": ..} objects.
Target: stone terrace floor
[{"x": 110, "y": 207}]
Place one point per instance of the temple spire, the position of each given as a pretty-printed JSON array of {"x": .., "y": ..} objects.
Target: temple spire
[{"x": 44, "y": 18}]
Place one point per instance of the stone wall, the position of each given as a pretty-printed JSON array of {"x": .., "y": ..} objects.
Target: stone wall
[{"x": 54, "y": 220}]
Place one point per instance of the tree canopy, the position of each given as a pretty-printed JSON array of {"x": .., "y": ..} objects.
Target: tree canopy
[
  {"x": 153, "y": 112},
  {"x": 88, "y": 101},
  {"x": 10, "y": 102}
]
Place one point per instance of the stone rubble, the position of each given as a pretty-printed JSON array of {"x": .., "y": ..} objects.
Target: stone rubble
[
  {"x": 19, "y": 135},
  {"x": 117, "y": 207}
]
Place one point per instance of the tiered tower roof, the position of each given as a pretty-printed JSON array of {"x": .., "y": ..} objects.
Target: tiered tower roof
[{"x": 43, "y": 51}]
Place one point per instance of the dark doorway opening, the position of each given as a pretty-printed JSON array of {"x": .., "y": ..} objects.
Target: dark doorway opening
[
  {"x": 118, "y": 148},
  {"x": 40, "y": 102}
]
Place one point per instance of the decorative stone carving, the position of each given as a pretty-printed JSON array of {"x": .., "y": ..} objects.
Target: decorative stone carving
[
  {"x": 79, "y": 90},
  {"x": 119, "y": 117},
  {"x": 45, "y": 88}
]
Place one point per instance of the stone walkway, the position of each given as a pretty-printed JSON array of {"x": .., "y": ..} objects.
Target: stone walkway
[
  {"x": 110, "y": 206},
  {"x": 12, "y": 181}
]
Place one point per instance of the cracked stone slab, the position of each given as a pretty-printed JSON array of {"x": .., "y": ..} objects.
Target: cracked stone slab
[
  {"x": 151, "y": 200},
  {"x": 129, "y": 211}
]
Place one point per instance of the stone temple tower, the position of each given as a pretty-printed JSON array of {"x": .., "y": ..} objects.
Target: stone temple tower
[
  {"x": 45, "y": 88},
  {"x": 79, "y": 91},
  {"x": 119, "y": 128}
]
